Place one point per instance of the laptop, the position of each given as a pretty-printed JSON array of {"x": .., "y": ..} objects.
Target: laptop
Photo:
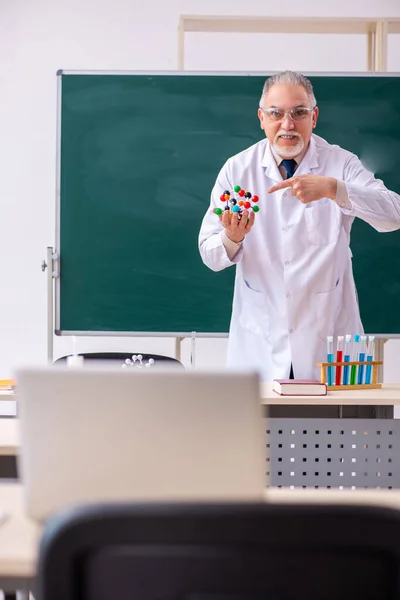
[{"x": 127, "y": 435}]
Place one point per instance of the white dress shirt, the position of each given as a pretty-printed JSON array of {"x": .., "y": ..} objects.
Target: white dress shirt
[{"x": 342, "y": 200}]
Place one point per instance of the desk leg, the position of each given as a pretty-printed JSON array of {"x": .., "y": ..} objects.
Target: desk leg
[{"x": 379, "y": 354}]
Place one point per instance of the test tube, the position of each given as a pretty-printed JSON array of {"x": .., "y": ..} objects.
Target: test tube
[
  {"x": 329, "y": 358},
  {"x": 347, "y": 358},
  {"x": 339, "y": 358},
  {"x": 353, "y": 371},
  {"x": 370, "y": 357},
  {"x": 363, "y": 340}
]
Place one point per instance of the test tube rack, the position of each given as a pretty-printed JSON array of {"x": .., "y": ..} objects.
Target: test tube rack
[{"x": 356, "y": 386}]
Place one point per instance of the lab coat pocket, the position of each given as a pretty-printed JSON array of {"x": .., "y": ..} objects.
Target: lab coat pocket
[
  {"x": 322, "y": 221},
  {"x": 328, "y": 309},
  {"x": 254, "y": 313}
]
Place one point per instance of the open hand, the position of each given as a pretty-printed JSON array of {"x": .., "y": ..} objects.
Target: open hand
[
  {"x": 308, "y": 188},
  {"x": 236, "y": 229}
]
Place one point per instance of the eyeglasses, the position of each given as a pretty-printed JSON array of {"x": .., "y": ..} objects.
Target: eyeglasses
[{"x": 299, "y": 113}]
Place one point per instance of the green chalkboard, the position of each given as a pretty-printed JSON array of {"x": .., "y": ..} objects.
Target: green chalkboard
[{"x": 139, "y": 155}]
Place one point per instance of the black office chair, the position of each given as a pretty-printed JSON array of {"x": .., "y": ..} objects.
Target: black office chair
[
  {"x": 120, "y": 357},
  {"x": 221, "y": 552}
]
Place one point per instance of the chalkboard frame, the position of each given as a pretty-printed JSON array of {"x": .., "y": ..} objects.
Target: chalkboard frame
[{"x": 58, "y": 277}]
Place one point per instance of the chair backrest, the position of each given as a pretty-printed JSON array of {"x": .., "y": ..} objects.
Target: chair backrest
[
  {"x": 221, "y": 552},
  {"x": 121, "y": 357}
]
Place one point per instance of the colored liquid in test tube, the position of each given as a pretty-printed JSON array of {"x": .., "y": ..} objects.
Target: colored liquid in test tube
[
  {"x": 370, "y": 357},
  {"x": 353, "y": 371},
  {"x": 347, "y": 358},
  {"x": 361, "y": 370},
  {"x": 339, "y": 358},
  {"x": 329, "y": 358}
]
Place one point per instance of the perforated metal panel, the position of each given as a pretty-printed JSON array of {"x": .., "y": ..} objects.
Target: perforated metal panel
[{"x": 333, "y": 453}]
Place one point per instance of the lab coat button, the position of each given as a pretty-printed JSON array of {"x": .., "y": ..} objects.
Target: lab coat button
[{"x": 290, "y": 330}]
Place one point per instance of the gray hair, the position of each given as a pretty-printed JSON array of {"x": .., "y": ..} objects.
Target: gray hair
[{"x": 289, "y": 77}]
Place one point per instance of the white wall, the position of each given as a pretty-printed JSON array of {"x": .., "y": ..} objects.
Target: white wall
[{"x": 37, "y": 37}]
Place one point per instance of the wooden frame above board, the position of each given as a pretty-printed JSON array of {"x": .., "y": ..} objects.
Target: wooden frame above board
[{"x": 377, "y": 30}]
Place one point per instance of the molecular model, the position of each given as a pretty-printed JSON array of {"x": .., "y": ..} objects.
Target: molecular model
[
  {"x": 244, "y": 201},
  {"x": 137, "y": 361}
]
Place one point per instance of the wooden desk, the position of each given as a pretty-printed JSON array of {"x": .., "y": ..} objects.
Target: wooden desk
[
  {"x": 313, "y": 422},
  {"x": 7, "y": 395},
  {"x": 19, "y": 536},
  {"x": 389, "y": 498},
  {"x": 388, "y": 395},
  {"x": 356, "y": 404}
]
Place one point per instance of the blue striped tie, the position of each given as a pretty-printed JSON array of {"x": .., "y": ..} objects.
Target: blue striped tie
[{"x": 290, "y": 166}]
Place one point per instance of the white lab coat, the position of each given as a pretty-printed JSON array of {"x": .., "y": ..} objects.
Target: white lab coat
[{"x": 294, "y": 282}]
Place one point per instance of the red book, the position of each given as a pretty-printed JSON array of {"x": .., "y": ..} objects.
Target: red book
[{"x": 299, "y": 387}]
